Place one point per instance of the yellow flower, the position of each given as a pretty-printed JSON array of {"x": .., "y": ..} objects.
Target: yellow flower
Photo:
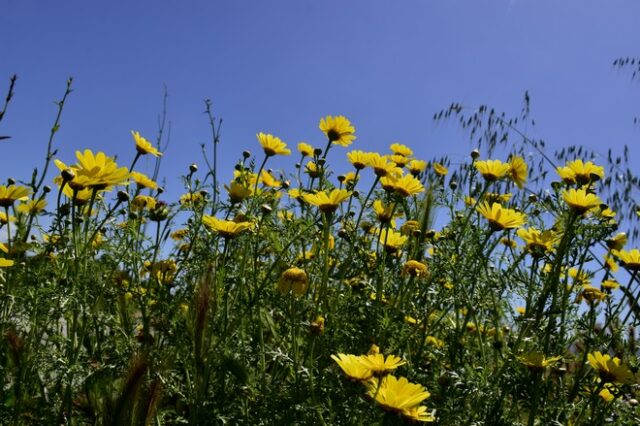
[
  {"x": 501, "y": 218},
  {"x": 4, "y": 248},
  {"x": 327, "y": 203},
  {"x": 237, "y": 192},
  {"x": 399, "y": 160},
  {"x": 358, "y": 158},
  {"x": 492, "y": 197},
  {"x": 414, "y": 268},
  {"x": 617, "y": 241},
  {"x": 416, "y": 167},
  {"x": 580, "y": 200},
  {"x": 582, "y": 173},
  {"x": 378, "y": 364},
  {"x": 97, "y": 171},
  {"x": 395, "y": 394},
  {"x": 338, "y": 130},
  {"x": 293, "y": 280},
  {"x": 434, "y": 341},
  {"x": 628, "y": 259},
  {"x": 5, "y": 263},
  {"x": 392, "y": 240},
  {"x": 350, "y": 178},
  {"x": 400, "y": 149},
  {"x": 143, "y": 146},
  {"x": 609, "y": 285},
  {"x": 381, "y": 165},
  {"x": 383, "y": 212},
  {"x": 352, "y": 367},
  {"x": 591, "y": 295},
  {"x": 32, "y": 207},
  {"x": 141, "y": 202},
  {"x": 537, "y": 361},
  {"x": 538, "y": 242},
  {"x": 226, "y": 228},
  {"x": 191, "y": 198},
  {"x": 404, "y": 186},
  {"x": 606, "y": 395},
  {"x": 418, "y": 414},
  {"x": 12, "y": 193},
  {"x": 305, "y": 149},
  {"x": 492, "y": 170},
  {"x": 610, "y": 370},
  {"x": 440, "y": 169},
  {"x": 268, "y": 179},
  {"x": 313, "y": 169},
  {"x": 518, "y": 171},
  {"x": 579, "y": 277},
  {"x": 164, "y": 271},
  {"x": 143, "y": 181},
  {"x": 4, "y": 218},
  {"x": 272, "y": 145}
]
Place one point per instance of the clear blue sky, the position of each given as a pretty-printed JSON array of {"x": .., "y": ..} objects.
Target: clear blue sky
[{"x": 278, "y": 66}]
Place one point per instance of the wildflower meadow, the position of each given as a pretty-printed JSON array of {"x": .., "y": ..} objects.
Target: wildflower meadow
[{"x": 347, "y": 287}]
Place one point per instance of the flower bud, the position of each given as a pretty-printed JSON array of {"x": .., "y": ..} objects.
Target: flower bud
[
  {"x": 293, "y": 280},
  {"x": 193, "y": 168}
]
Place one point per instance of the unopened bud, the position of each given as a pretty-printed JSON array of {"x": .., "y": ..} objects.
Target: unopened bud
[
  {"x": 123, "y": 196},
  {"x": 46, "y": 189},
  {"x": 193, "y": 168},
  {"x": 317, "y": 152},
  {"x": 453, "y": 185},
  {"x": 246, "y": 154},
  {"x": 11, "y": 181},
  {"x": 266, "y": 209},
  {"x": 475, "y": 154},
  {"x": 67, "y": 175}
]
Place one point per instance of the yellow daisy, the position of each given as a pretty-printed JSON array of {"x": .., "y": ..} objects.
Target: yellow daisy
[
  {"x": 352, "y": 367},
  {"x": 143, "y": 146},
  {"x": 338, "y": 130},
  {"x": 400, "y": 149},
  {"x": 518, "y": 171},
  {"x": 143, "y": 181},
  {"x": 226, "y": 228},
  {"x": 395, "y": 394},
  {"x": 305, "y": 149},
  {"x": 537, "y": 361},
  {"x": 327, "y": 202},
  {"x": 501, "y": 218},
  {"x": 580, "y": 200},
  {"x": 272, "y": 145},
  {"x": 610, "y": 370},
  {"x": 492, "y": 170},
  {"x": 629, "y": 259},
  {"x": 12, "y": 193}
]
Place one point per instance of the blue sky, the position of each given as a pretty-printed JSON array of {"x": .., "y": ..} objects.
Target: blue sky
[{"x": 279, "y": 66}]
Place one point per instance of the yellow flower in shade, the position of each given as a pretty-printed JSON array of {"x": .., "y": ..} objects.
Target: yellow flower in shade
[
  {"x": 492, "y": 197},
  {"x": 518, "y": 171},
  {"x": 396, "y": 395},
  {"x": 238, "y": 192},
  {"x": 617, "y": 241},
  {"x": 610, "y": 263},
  {"x": 4, "y": 248},
  {"x": 32, "y": 207},
  {"x": 580, "y": 200},
  {"x": 143, "y": 146},
  {"x": 141, "y": 202},
  {"x": 381, "y": 165},
  {"x": 400, "y": 149},
  {"x": 338, "y": 130},
  {"x": 191, "y": 198},
  {"x": 399, "y": 160},
  {"x": 352, "y": 367},
  {"x": 143, "y": 181},
  {"x": 521, "y": 310},
  {"x": 579, "y": 172},
  {"x": 327, "y": 203},
  {"x": 609, "y": 285},
  {"x": 358, "y": 158},
  {"x": 392, "y": 240},
  {"x": 268, "y": 179},
  {"x": 12, "y": 193},
  {"x": 293, "y": 280},
  {"x": 606, "y": 395},
  {"x": 414, "y": 268},
  {"x": 5, "y": 263},
  {"x": 409, "y": 226},
  {"x": 98, "y": 171},
  {"x": 434, "y": 341},
  {"x": 418, "y": 414},
  {"x": 537, "y": 361},
  {"x": 538, "y": 242},
  {"x": 305, "y": 149},
  {"x": 406, "y": 185},
  {"x": 164, "y": 271},
  {"x": 317, "y": 326},
  {"x": 313, "y": 169},
  {"x": 416, "y": 167},
  {"x": 383, "y": 211},
  {"x": 628, "y": 259},
  {"x": 492, "y": 170},
  {"x": 610, "y": 370},
  {"x": 4, "y": 218},
  {"x": 350, "y": 178},
  {"x": 379, "y": 365},
  {"x": 272, "y": 145},
  {"x": 501, "y": 218},
  {"x": 591, "y": 295},
  {"x": 226, "y": 228},
  {"x": 440, "y": 169}
]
